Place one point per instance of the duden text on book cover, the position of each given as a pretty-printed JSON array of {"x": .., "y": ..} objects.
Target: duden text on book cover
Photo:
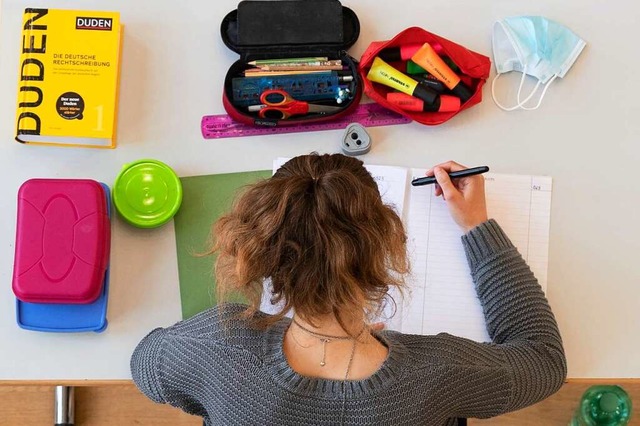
[{"x": 68, "y": 78}]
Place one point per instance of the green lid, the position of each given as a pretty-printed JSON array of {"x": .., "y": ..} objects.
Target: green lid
[
  {"x": 147, "y": 193},
  {"x": 603, "y": 405},
  {"x": 413, "y": 68}
]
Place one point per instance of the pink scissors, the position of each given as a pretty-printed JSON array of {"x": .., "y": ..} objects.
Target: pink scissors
[{"x": 280, "y": 105}]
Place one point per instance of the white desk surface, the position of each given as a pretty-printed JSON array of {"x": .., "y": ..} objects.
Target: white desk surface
[{"x": 585, "y": 136}]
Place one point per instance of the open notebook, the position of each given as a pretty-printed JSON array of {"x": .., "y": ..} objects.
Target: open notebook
[{"x": 441, "y": 296}]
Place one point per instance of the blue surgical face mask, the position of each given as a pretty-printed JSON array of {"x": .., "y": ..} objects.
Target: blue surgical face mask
[{"x": 534, "y": 46}]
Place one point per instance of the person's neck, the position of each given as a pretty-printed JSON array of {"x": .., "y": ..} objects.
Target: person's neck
[
  {"x": 331, "y": 351},
  {"x": 329, "y": 325}
]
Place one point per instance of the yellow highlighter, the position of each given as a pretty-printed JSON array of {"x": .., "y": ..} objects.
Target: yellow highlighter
[{"x": 383, "y": 73}]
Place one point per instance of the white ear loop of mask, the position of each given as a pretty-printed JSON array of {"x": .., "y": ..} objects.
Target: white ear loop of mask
[
  {"x": 521, "y": 103},
  {"x": 544, "y": 92}
]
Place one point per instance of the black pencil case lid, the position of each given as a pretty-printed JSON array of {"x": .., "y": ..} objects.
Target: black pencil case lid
[{"x": 261, "y": 29}]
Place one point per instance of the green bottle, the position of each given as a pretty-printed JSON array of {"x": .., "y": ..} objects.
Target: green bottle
[{"x": 603, "y": 405}]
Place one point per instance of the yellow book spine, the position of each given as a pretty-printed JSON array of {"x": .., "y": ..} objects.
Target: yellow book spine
[
  {"x": 32, "y": 73},
  {"x": 68, "y": 78}
]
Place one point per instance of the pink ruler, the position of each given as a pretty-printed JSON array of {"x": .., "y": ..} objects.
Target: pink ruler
[{"x": 369, "y": 115}]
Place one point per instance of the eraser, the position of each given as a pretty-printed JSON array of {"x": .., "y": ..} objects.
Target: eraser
[{"x": 356, "y": 140}]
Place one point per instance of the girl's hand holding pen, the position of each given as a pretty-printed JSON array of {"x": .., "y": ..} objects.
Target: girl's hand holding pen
[{"x": 465, "y": 196}]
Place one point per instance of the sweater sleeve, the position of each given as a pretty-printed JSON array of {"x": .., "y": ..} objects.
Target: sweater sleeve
[
  {"x": 526, "y": 343},
  {"x": 145, "y": 365},
  {"x": 157, "y": 370}
]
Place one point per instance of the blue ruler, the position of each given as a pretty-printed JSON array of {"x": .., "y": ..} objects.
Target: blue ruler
[{"x": 305, "y": 87}]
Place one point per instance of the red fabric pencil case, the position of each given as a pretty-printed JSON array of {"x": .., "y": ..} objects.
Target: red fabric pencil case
[{"x": 474, "y": 69}]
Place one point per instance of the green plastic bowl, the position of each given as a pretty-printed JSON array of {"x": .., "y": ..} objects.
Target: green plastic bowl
[{"x": 147, "y": 193}]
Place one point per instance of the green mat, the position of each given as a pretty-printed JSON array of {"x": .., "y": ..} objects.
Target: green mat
[{"x": 205, "y": 198}]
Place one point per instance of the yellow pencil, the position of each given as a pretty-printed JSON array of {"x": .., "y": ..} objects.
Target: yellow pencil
[
  {"x": 260, "y": 73},
  {"x": 288, "y": 60}
]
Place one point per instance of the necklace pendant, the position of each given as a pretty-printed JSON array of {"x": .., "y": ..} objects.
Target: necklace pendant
[{"x": 324, "y": 351}]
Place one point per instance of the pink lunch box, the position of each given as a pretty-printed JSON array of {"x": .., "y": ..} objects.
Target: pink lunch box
[{"x": 62, "y": 241}]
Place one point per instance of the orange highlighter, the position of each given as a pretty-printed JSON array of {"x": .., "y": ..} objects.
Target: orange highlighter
[{"x": 428, "y": 59}]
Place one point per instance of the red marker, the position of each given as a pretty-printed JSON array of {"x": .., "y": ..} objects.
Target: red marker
[
  {"x": 405, "y": 52},
  {"x": 444, "y": 103}
]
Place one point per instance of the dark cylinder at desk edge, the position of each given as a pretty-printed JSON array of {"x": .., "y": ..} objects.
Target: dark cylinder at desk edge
[{"x": 64, "y": 405}]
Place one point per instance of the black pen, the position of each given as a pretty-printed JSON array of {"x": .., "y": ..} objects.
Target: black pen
[{"x": 428, "y": 180}]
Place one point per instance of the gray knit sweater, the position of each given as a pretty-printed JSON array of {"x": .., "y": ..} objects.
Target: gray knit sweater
[{"x": 233, "y": 374}]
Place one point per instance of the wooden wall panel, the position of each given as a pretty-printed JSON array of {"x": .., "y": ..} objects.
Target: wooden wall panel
[
  {"x": 105, "y": 405},
  {"x": 121, "y": 404},
  {"x": 558, "y": 409},
  {"x": 26, "y": 405}
]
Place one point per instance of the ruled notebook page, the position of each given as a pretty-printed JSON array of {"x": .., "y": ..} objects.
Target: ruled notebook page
[{"x": 442, "y": 297}]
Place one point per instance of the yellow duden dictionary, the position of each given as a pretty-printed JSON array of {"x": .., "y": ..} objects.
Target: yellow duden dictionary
[{"x": 68, "y": 78}]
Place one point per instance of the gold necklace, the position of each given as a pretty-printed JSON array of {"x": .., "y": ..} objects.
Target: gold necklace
[
  {"x": 327, "y": 338},
  {"x": 295, "y": 339}
]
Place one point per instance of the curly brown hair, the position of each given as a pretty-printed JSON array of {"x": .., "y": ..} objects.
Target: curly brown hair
[{"x": 320, "y": 232}]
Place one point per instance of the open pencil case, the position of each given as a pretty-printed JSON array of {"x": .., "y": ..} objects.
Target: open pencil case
[
  {"x": 473, "y": 70},
  {"x": 280, "y": 29}
]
